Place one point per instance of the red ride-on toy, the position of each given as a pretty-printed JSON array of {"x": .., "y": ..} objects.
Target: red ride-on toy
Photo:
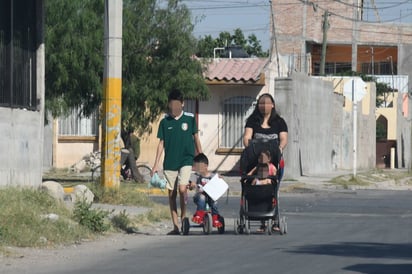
[{"x": 206, "y": 221}]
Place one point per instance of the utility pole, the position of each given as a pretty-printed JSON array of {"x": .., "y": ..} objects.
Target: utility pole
[
  {"x": 325, "y": 27},
  {"x": 112, "y": 93},
  {"x": 273, "y": 40}
]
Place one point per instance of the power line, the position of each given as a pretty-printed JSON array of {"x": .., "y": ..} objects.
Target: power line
[
  {"x": 349, "y": 18},
  {"x": 373, "y": 8},
  {"x": 224, "y": 5}
]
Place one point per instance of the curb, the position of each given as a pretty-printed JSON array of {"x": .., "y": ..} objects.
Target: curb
[
  {"x": 68, "y": 190},
  {"x": 153, "y": 191},
  {"x": 149, "y": 191}
]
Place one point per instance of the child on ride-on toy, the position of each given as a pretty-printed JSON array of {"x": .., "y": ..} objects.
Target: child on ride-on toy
[{"x": 199, "y": 179}]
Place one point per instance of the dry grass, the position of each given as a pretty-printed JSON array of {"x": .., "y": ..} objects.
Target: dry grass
[
  {"x": 27, "y": 220},
  {"x": 374, "y": 177}
]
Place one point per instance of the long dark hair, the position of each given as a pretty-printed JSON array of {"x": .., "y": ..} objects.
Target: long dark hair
[{"x": 257, "y": 116}]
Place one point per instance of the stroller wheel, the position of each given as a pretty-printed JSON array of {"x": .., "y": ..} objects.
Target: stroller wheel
[
  {"x": 269, "y": 228},
  {"x": 207, "y": 223},
  {"x": 238, "y": 227},
  {"x": 185, "y": 226},
  {"x": 247, "y": 228},
  {"x": 246, "y": 225},
  {"x": 221, "y": 229},
  {"x": 282, "y": 226},
  {"x": 285, "y": 225}
]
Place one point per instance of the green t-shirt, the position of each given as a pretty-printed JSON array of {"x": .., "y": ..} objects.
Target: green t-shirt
[{"x": 178, "y": 140}]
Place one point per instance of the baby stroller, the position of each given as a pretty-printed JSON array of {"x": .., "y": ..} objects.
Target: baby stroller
[{"x": 259, "y": 204}]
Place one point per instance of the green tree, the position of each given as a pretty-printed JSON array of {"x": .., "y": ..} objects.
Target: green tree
[
  {"x": 158, "y": 48},
  {"x": 251, "y": 45},
  {"x": 74, "y": 55}
]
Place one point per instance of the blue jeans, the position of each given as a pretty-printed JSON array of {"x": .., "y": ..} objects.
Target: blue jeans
[{"x": 201, "y": 199}]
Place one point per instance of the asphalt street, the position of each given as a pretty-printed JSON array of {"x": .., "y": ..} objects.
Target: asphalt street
[{"x": 347, "y": 231}]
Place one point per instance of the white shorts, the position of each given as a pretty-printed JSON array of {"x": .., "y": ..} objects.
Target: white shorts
[{"x": 177, "y": 177}]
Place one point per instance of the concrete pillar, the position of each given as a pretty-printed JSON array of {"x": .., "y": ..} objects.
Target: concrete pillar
[{"x": 112, "y": 93}]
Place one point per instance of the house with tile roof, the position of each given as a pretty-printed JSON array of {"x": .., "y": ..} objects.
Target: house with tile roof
[{"x": 234, "y": 85}]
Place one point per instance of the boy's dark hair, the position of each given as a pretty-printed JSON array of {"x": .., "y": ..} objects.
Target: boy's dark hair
[
  {"x": 175, "y": 94},
  {"x": 201, "y": 158}
]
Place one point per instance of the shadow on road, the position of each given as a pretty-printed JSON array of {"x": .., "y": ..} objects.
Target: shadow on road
[
  {"x": 361, "y": 250},
  {"x": 381, "y": 268}
]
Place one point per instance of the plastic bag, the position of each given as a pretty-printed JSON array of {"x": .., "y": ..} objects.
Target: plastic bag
[{"x": 157, "y": 182}]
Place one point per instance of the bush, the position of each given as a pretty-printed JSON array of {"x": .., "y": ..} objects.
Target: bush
[
  {"x": 121, "y": 220},
  {"x": 93, "y": 219}
]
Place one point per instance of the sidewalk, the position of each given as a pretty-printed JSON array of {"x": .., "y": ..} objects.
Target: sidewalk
[{"x": 397, "y": 179}]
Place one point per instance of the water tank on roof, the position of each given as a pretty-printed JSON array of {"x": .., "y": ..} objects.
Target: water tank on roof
[{"x": 235, "y": 52}]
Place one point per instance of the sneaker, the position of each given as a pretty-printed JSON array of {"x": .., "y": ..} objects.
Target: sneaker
[
  {"x": 198, "y": 217},
  {"x": 216, "y": 222}
]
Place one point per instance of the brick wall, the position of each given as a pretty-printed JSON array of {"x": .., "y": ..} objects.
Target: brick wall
[{"x": 296, "y": 22}]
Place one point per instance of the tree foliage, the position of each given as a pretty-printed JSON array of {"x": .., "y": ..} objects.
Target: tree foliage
[
  {"x": 251, "y": 44},
  {"x": 158, "y": 55},
  {"x": 74, "y": 55},
  {"x": 158, "y": 46}
]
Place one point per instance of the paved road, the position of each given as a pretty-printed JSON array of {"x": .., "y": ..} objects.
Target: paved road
[{"x": 329, "y": 232}]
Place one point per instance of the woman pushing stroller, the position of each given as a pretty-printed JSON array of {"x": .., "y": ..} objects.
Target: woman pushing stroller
[{"x": 266, "y": 124}]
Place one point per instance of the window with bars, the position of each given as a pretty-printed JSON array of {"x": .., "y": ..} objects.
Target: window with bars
[
  {"x": 18, "y": 45},
  {"x": 235, "y": 112},
  {"x": 77, "y": 125},
  {"x": 332, "y": 68}
]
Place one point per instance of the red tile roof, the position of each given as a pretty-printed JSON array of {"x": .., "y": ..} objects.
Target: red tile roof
[{"x": 236, "y": 69}]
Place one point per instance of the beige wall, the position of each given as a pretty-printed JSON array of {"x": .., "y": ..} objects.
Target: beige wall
[
  {"x": 148, "y": 146},
  {"x": 69, "y": 153},
  {"x": 338, "y": 87},
  {"x": 390, "y": 114}
]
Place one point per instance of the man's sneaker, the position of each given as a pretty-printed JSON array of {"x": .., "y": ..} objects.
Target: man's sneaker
[
  {"x": 198, "y": 217},
  {"x": 216, "y": 222}
]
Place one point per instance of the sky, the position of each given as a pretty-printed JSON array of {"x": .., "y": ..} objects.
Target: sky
[
  {"x": 253, "y": 16},
  {"x": 213, "y": 17}
]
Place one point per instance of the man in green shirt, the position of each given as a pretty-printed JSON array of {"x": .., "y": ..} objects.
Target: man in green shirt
[{"x": 178, "y": 138}]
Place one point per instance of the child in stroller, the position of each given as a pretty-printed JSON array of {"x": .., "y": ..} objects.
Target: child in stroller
[
  {"x": 263, "y": 170},
  {"x": 260, "y": 184},
  {"x": 204, "y": 204}
]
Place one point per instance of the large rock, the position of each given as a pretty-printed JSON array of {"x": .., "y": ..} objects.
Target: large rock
[
  {"x": 82, "y": 193},
  {"x": 54, "y": 189}
]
